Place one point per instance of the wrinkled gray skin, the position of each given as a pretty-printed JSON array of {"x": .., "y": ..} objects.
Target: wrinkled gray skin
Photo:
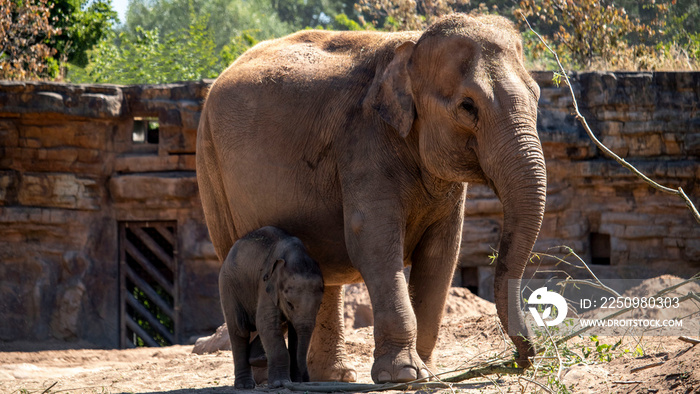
[
  {"x": 269, "y": 282},
  {"x": 362, "y": 144}
]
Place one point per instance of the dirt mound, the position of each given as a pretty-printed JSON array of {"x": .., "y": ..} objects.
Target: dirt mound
[
  {"x": 460, "y": 301},
  {"x": 652, "y": 286},
  {"x": 681, "y": 372},
  {"x": 358, "y": 307},
  {"x": 668, "y": 364},
  {"x": 649, "y": 287},
  {"x": 667, "y": 306}
]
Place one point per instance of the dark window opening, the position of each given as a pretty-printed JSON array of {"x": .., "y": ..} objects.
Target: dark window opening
[
  {"x": 470, "y": 279},
  {"x": 600, "y": 248},
  {"x": 145, "y": 131}
]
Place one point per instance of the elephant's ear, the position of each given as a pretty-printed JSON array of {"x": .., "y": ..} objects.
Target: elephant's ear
[
  {"x": 271, "y": 281},
  {"x": 393, "y": 99}
]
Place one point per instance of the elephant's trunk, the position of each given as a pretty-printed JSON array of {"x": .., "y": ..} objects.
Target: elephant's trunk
[
  {"x": 304, "y": 340},
  {"x": 516, "y": 167}
]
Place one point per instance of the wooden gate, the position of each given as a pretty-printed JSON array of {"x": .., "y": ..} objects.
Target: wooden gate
[{"x": 149, "y": 290}]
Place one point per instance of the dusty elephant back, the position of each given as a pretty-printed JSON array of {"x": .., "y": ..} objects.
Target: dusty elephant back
[
  {"x": 276, "y": 115},
  {"x": 312, "y": 57}
]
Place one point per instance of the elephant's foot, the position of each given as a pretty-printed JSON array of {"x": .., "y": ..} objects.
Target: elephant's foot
[
  {"x": 398, "y": 365},
  {"x": 277, "y": 377},
  {"x": 244, "y": 379},
  {"x": 331, "y": 369},
  {"x": 277, "y": 383},
  {"x": 244, "y": 384}
]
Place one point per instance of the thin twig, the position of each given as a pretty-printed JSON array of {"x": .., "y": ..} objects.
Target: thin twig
[
  {"x": 488, "y": 370},
  {"x": 556, "y": 352},
  {"x": 78, "y": 389},
  {"x": 627, "y": 382},
  {"x": 437, "y": 378},
  {"x": 331, "y": 387},
  {"x": 678, "y": 192},
  {"x": 494, "y": 383},
  {"x": 447, "y": 383},
  {"x": 690, "y": 340},
  {"x": 590, "y": 272},
  {"x": 543, "y": 387},
  {"x": 652, "y": 365},
  {"x": 591, "y": 284},
  {"x": 49, "y": 388}
]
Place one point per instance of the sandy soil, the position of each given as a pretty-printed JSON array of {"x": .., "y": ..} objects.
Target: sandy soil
[{"x": 464, "y": 340}]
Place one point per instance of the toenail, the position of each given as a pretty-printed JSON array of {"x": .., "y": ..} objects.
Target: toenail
[
  {"x": 383, "y": 377},
  {"x": 406, "y": 375},
  {"x": 350, "y": 376}
]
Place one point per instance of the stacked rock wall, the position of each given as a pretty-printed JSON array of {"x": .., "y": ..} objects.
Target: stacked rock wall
[{"x": 71, "y": 172}]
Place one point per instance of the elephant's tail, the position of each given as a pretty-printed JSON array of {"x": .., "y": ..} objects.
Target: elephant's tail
[{"x": 212, "y": 191}]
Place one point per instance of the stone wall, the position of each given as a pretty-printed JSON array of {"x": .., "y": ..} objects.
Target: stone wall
[{"x": 70, "y": 172}]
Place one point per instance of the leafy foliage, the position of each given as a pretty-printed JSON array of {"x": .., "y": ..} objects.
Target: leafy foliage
[
  {"x": 342, "y": 22},
  {"x": 25, "y": 34},
  {"x": 600, "y": 34},
  {"x": 169, "y": 40},
  {"x": 396, "y": 15},
  {"x": 83, "y": 23},
  {"x": 303, "y": 13},
  {"x": 225, "y": 19},
  {"x": 147, "y": 58}
]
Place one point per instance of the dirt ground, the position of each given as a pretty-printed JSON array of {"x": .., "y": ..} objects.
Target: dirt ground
[{"x": 468, "y": 336}]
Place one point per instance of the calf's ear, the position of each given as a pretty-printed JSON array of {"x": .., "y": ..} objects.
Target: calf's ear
[{"x": 271, "y": 280}]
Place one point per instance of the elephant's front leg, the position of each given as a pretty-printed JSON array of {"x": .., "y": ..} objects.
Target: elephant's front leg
[
  {"x": 239, "y": 348},
  {"x": 271, "y": 333},
  {"x": 374, "y": 236},
  {"x": 327, "y": 360},
  {"x": 433, "y": 266}
]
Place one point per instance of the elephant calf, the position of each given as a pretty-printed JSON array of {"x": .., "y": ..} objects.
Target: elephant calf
[{"x": 267, "y": 282}]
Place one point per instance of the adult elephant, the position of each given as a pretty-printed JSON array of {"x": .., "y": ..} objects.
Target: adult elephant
[{"x": 361, "y": 144}]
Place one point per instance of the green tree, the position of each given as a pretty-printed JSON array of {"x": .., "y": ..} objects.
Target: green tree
[
  {"x": 312, "y": 13},
  {"x": 593, "y": 31},
  {"x": 26, "y": 33},
  {"x": 83, "y": 23},
  {"x": 683, "y": 26},
  {"x": 226, "y": 19},
  {"x": 409, "y": 14},
  {"x": 145, "y": 57}
]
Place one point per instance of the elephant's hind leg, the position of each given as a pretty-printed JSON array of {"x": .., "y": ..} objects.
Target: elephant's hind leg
[{"x": 327, "y": 358}]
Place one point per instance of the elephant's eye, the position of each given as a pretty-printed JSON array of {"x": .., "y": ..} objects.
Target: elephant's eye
[
  {"x": 469, "y": 106},
  {"x": 290, "y": 306}
]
